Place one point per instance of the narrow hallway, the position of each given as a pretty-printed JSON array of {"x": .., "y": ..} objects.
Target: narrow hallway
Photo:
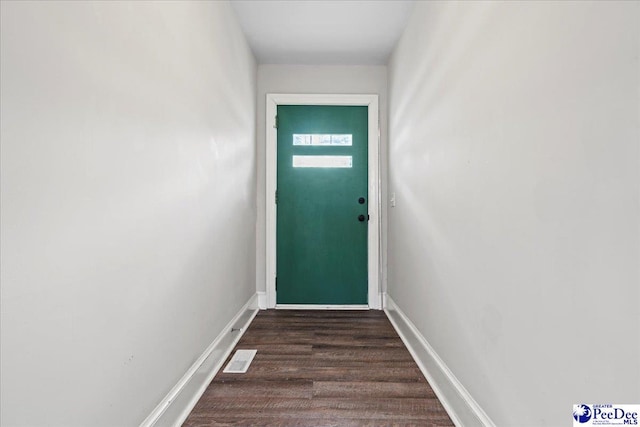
[
  {"x": 140, "y": 197},
  {"x": 329, "y": 368}
]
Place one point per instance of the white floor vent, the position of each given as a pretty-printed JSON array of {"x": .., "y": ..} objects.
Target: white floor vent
[{"x": 239, "y": 363}]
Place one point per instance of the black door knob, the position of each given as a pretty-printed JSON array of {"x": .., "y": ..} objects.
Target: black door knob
[
  {"x": 361, "y": 218},
  {"x": 361, "y": 200}
]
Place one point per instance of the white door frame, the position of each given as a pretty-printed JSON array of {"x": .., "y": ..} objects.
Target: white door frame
[{"x": 373, "y": 185}]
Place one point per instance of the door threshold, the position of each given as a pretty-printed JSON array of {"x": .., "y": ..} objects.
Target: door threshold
[{"x": 321, "y": 307}]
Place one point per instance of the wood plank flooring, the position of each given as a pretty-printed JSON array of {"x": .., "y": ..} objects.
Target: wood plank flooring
[{"x": 321, "y": 368}]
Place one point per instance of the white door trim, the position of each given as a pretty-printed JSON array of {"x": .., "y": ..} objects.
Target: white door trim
[
  {"x": 373, "y": 244},
  {"x": 321, "y": 307}
]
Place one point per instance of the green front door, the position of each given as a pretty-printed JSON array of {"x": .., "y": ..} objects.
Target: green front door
[{"x": 322, "y": 205}]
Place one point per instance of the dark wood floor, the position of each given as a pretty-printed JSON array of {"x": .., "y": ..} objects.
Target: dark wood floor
[{"x": 322, "y": 368}]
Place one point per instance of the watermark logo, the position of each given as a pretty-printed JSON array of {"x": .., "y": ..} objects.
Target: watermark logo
[
  {"x": 605, "y": 415},
  {"x": 581, "y": 413}
]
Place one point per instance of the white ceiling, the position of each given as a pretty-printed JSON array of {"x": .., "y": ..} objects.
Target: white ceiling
[{"x": 322, "y": 31}]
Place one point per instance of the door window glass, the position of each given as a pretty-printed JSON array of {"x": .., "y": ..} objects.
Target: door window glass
[
  {"x": 322, "y": 161},
  {"x": 322, "y": 139}
]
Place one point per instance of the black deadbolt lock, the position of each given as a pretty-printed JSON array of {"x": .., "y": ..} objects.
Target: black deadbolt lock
[
  {"x": 361, "y": 218},
  {"x": 361, "y": 200}
]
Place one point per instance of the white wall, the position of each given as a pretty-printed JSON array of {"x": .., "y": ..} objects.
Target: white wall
[
  {"x": 332, "y": 79},
  {"x": 128, "y": 202},
  {"x": 514, "y": 155}
]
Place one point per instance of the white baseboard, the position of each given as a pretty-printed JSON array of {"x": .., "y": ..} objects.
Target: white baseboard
[
  {"x": 461, "y": 407},
  {"x": 174, "y": 409},
  {"x": 262, "y": 300}
]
